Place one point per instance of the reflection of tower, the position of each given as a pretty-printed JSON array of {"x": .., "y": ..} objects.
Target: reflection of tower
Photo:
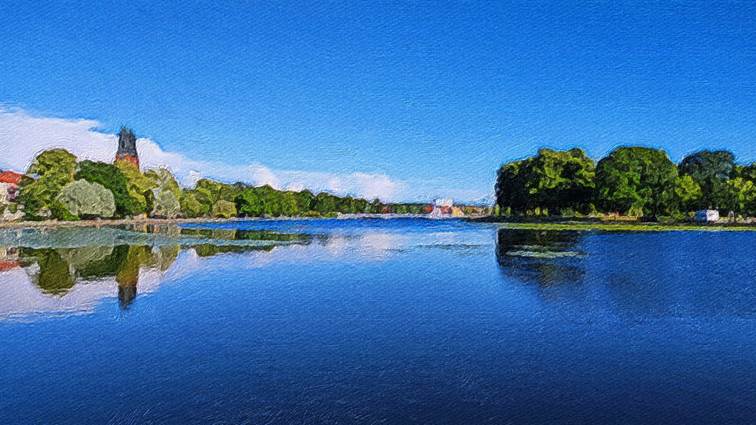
[
  {"x": 126, "y": 295},
  {"x": 127, "y": 275},
  {"x": 127, "y": 147}
]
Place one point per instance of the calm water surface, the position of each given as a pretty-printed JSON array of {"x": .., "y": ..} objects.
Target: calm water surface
[{"x": 376, "y": 322}]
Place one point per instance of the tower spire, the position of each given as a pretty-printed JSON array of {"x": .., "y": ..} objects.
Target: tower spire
[{"x": 127, "y": 150}]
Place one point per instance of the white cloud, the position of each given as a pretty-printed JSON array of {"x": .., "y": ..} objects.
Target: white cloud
[{"x": 23, "y": 136}]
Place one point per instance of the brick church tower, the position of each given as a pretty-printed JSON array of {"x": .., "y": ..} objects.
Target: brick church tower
[{"x": 127, "y": 147}]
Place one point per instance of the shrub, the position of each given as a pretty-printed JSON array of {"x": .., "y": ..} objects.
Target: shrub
[
  {"x": 112, "y": 179},
  {"x": 83, "y": 199},
  {"x": 165, "y": 204},
  {"x": 190, "y": 206},
  {"x": 224, "y": 209}
]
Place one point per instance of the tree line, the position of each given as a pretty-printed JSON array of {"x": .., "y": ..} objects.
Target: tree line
[
  {"x": 632, "y": 181},
  {"x": 57, "y": 186}
]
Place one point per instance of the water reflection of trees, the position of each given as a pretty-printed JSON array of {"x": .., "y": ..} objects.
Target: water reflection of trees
[
  {"x": 541, "y": 257},
  {"x": 57, "y": 270}
]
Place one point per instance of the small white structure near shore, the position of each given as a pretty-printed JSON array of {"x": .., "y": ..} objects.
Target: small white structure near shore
[
  {"x": 444, "y": 208},
  {"x": 707, "y": 216}
]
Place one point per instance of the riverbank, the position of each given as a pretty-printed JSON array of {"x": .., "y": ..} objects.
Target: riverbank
[
  {"x": 585, "y": 225},
  {"x": 554, "y": 224}
]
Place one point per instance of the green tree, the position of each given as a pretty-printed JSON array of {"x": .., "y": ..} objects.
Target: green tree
[
  {"x": 325, "y": 203},
  {"x": 561, "y": 180},
  {"x": 512, "y": 192},
  {"x": 304, "y": 201},
  {"x": 550, "y": 181},
  {"x": 54, "y": 169},
  {"x": 376, "y": 206},
  {"x": 56, "y": 162},
  {"x": 687, "y": 193},
  {"x": 224, "y": 209},
  {"x": 636, "y": 180},
  {"x": 162, "y": 178},
  {"x": 111, "y": 177},
  {"x": 748, "y": 172},
  {"x": 163, "y": 200},
  {"x": 739, "y": 195},
  {"x": 139, "y": 186},
  {"x": 165, "y": 204},
  {"x": 249, "y": 203},
  {"x": 207, "y": 192},
  {"x": 711, "y": 170},
  {"x": 190, "y": 206},
  {"x": 288, "y": 203},
  {"x": 83, "y": 199}
]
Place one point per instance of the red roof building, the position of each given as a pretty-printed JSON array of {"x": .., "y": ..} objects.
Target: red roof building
[
  {"x": 9, "y": 182},
  {"x": 11, "y": 177}
]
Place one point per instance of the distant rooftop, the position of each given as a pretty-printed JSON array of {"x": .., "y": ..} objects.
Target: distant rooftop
[{"x": 11, "y": 177}]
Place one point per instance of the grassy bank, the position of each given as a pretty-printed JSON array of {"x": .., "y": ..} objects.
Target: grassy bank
[{"x": 623, "y": 227}]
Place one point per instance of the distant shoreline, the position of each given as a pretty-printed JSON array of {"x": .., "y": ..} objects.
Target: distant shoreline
[{"x": 554, "y": 224}]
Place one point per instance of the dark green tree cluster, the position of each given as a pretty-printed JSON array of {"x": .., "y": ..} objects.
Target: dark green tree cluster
[
  {"x": 551, "y": 182},
  {"x": 633, "y": 181},
  {"x": 266, "y": 201}
]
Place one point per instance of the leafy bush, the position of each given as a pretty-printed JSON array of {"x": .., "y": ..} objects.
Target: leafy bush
[
  {"x": 190, "y": 206},
  {"x": 165, "y": 204},
  {"x": 224, "y": 209},
  {"x": 111, "y": 177},
  {"x": 86, "y": 200}
]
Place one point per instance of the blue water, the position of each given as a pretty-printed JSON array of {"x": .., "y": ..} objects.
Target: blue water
[{"x": 380, "y": 322}]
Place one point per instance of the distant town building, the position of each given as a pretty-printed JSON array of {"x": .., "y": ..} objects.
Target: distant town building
[
  {"x": 707, "y": 216},
  {"x": 9, "y": 182},
  {"x": 457, "y": 212},
  {"x": 127, "y": 150},
  {"x": 444, "y": 208}
]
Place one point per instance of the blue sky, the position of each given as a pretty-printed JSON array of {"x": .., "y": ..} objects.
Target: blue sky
[{"x": 432, "y": 94}]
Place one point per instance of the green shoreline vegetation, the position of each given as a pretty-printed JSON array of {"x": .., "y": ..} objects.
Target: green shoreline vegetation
[
  {"x": 631, "y": 183},
  {"x": 633, "y": 188},
  {"x": 59, "y": 188}
]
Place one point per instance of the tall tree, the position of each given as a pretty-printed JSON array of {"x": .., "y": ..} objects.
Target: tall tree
[
  {"x": 636, "y": 180},
  {"x": 54, "y": 169},
  {"x": 687, "y": 193},
  {"x": 551, "y": 180},
  {"x": 739, "y": 195},
  {"x": 139, "y": 186},
  {"x": 512, "y": 192},
  {"x": 711, "y": 170}
]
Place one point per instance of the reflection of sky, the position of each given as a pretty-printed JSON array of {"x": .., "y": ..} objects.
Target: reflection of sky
[
  {"x": 19, "y": 296},
  {"x": 628, "y": 275},
  {"x": 21, "y": 299}
]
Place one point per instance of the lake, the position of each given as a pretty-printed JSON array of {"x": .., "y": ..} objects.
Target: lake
[{"x": 404, "y": 321}]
